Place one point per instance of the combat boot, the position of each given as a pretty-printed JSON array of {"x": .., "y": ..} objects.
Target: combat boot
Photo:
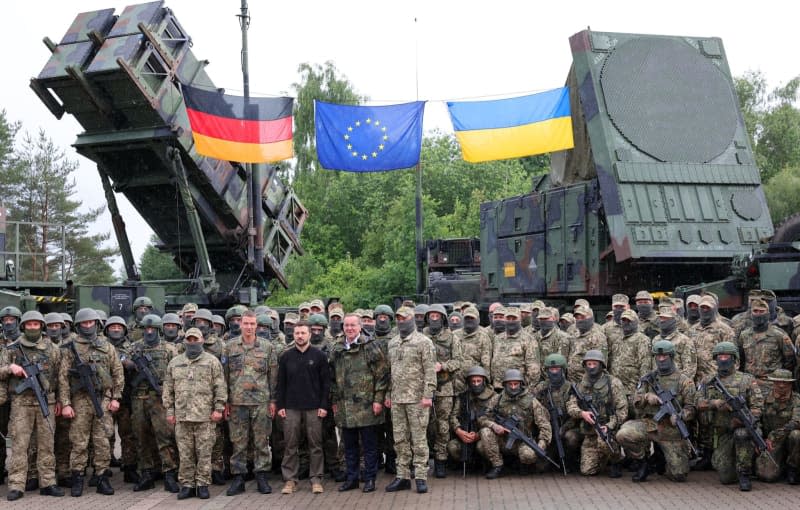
[
  {"x": 399, "y": 484},
  {"x": 495, "y": 472},
  {"x": 439, "y": 469},
  {"x": 614, "y": 470},
  {"x": 791, "y": 476},
  {"x": 703, "y": 462},
  {"x": 93, "y": 479},
  {"x": 146, "y": 481},
  {"x": 104, "y": 486},
  {"x": 422, "y": 486},
  {"x": 31, "y": 484},
  {"x": 115, "y": 462},
  {"x": 642, "y": 471},
  {"x": 130, "y": 475},
  {"x": 237, "y": 486},
  {"x": 263, "y": 483},
  {"x": 14, "y": 495},
  {"x": 186, "y": 492},
  {"x": 171, "y": 481},
  {"x": 53, "y": 490},
  {"x": 202, "y": 492},
  {"x": 391, "y": 466},
  {"x": 217, "y": 478},
  {"x": 77, "y": 484},
  {"x": 744, "y": 482}
]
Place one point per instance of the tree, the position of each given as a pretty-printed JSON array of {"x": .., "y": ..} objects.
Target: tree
[
  {"x": 8, "y": 132},
  {"x": 157, "y": 265},
  {"x": 783, "y": 194}
]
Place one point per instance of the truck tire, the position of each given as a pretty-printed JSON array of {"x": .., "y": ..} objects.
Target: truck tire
[{"x": 788, "y": 231}]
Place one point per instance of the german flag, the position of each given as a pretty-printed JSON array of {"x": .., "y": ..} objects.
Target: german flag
[{"x": 223, "y": 128}]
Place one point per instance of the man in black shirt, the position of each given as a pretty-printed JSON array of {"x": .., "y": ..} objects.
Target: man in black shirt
[{"x": 303, "y": 389}]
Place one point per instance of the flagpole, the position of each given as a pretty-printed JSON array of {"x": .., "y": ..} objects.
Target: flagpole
[{"x": 420, "y": 259}]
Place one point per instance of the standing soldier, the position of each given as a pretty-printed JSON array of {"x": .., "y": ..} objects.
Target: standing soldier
[
  {"x": 514, "y": 349},
  {"x": 142, "y": 306},
  {"x": 734, "y": 451},
  {"x": 764, "y": 346},
  {"x": 335, "y": 320},
  {"x": 9, "y": 316},
  {"x": 613, "y": 329},
  {"x": 149, "y": 415},
  {"x": 251, "y": 365},
  {"x": 28, "y": 421},
  {"x": 781, "y": 424},
  {"x": 187, "y": 314},
  {"x": 608, "y": 397},
  {"x": 218, "y": 323},
  {"x": 89, "y": 354},
  {"x": 553, "y": 393},
  {"x": 412, "y": 360},
  {"x": 629, "y": 358},
  {"x": 172, "y": 327},
  {"x": 551, "y": 339},
  {"x": 367, "y": 322},
  {"x": 469, "y": 406},
  {"x": 55, "y": 328},
  {"x": 276, "y": 327},
  {"x": 636, "y": 435},
  {"x": 289, "y": 321},
  {"x": 685, "y": 354},
  {"x": 476, "y": 346},
  {"x": 648, "y": 322},
  {"x": 234, "y": 319},
  {"x": 707, "y": 332},
  {"x": 194, "y": 397},
  {"x": 693, "y": 309},
  {"x": 456, "y": 322},
  {"x": 590, "y": 337},
  {"x": 360, "y": 381},
  {"x": 384, "y": 315}
]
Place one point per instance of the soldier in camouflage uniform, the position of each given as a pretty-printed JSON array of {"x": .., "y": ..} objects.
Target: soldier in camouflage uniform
[
  {"x": 420, "y": 316},
  {"x": 514, "y": 348},
  {"x": 277, "y": 334},
  {"x": 566, "y": 323},
  {"x": 629, "y": 358},
  {"x": 10, "y": 316},
  {"x": 707, "y": 332},
  {"x": 142, "y": 306},
  {"x": 367, "y": 322},
  {"x": 613, "y": 328},
  {"x": 360, "y": 381},
  {"x": 456, "y": 322},
  {"x": 476, "y": 346},
  {"x": 27, "y": 423},
  {"x": 514, "y": 400},
  {"x": 289, "y": 321},
  {"x": 172, "y": 326},
  {"x": 233, "y": 317},
  {"x": 734, "y": 451},
  {"x": 384, "y": 315},
  {"x": 590, "y": 337},
  {"x": 608, "y": 397},
  {"x": 448, "y": 366},
  {"x": 412, "y": 360},
  {"x": 497, "y": 324},
  {"x": 526, "y": 317},
  {"x": 55, "y": 326},
  {"x": 219, "y": 325},
  {"x": 468, "y": 407},
  {"x": 764, "y": 347},
  {"x": 553, "y": 393},
  {"x": 781, "y": 425},
  {"x": 251, "y": 371},
  {"x": 693, "y": 311},
  {"x": 551, "y": 339},
  {"x": 187, "y": 314},
  {"x": 194, "y": 396},
  {"x": 685, "y": 354},
  {"x": 76, "y": 403},
  {"x": 149, "y": 415},
  {"x": 635, "y": 436},
  {"x": 536, "y": 307},
  {"x": 648, "y": 322}
]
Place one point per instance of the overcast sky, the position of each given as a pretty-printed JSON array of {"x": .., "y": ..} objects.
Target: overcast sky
[{"x": 455, "y": 50}]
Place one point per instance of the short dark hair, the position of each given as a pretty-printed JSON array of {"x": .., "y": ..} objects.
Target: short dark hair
[
  {"x": 302, "y": 323},
  {"x": 249, "y": 313}
]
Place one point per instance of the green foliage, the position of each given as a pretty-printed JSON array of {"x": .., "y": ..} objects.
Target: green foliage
[
  {"x": 156, "y": 265},
  {"x": 783, "y": 194}
]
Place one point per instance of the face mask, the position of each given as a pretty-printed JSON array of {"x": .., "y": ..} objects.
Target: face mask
[
  {"x": 316, "y": 338},
  {"x": 527, "y": 321},
  {"x": 470, "y": 324},
  {"x": 668, "y": 326},
  {"x": 288, "y": 330},
  {"x": 693, "y": 315},
  {"x": 54, "y": 333},
  {"x": 115, "y": 335},
  {"x": 584, "y": 325},
  {"x": 535, "y": 324},
  {"x": 187, "y": 322},
  {"x": 419, "y": 323},
  {"x": 235, "y": 328},
  {"x": 782, "y": 392},
  {"x": 274, "y": 327},
  {"x": 383, "y": 326},
  {"x": 617, "y": 314},
  {"x": 217, "y": 329},
  {"x": 89, "y": 333},
  {"x": 10, "y": 329},
  {"x": 681, "y": 312},
  {"x": 477, "y": 389},
  {"x": 264, "y": 333},
  {"x": 665, "y": 367},
  {"x": 556, "y": 379},
  {"x": 456, "y": 325},
  {"x": 406, "y": 327},
  {"x": 513, "y": 327},
  {"x": 498, "y": 325},
  {"x": 435, "y": 326},
  {"x": 140, "y": 314},
  {"x": 369, "y": 328},
  {"x": 760, "y": 322},
  {"x": 546, "y": 326},
  {"x": 203, "y": 329},
  {"x": 65, "y": 332},
  {"x": 644, "y": 310},
  {"x": 725, "y": 367},
  {"x": 594, "y": 372},
  {"x": 193, "y": 350},
  {"x": 514, "y": 392},
  {"x": 629, "y": 328},
  {"x": 335, "y": 324},
  {"x": 707, "y": 315},
  {"x": 33, "y": 335},
  {"x": 150, "y": 338},
  {"x": 171, "y": 333},
  {"x": 773, "y": 309}
]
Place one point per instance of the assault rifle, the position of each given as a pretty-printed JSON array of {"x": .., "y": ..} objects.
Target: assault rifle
[
  {"x": 143, "y": 362},
  {"x": 467, "y": 424},
  {"x": 511, "y": 423},
  {"x": 555, "y": 424},
  {"x": 87, "y": 375},
  {"x": 669, "y": 407},
  {"x": 33, "y": 382},
  {"x": 743, "y": 414},
  {"x": 585, "y": 403}
]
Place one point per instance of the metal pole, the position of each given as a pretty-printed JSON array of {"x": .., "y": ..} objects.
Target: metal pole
[
  {"x": 418, "y": 197},
  {"x": 244, "y": 23}
]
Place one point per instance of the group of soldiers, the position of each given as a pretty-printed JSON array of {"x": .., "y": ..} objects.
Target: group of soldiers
[{"x": 194, "y": 397}]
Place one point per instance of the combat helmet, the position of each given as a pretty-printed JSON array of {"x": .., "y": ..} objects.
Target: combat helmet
[
  {"x": 594, "y": 355},
  {"x": 663, "y": 347},
  {"x": 725, "y": 348}
]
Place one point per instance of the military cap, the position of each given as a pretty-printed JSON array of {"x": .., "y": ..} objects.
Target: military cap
[
  {"x": 581, "y": 302},
  {"x": 471, "y": 311},
  {"x": 796, "y": 320},
  {"x": 336, "y": 311},
  {"x": 467, "y": 304},
  {"x": 664, "y": 300},
  {"x": 568, "y": 317},
  {"x": 768, "y": 295},
  {"x": 525, "y": 307},
  {"x": 759, "y": 304},
  {"x": 677, "y": 301},
  {"x": 694, "y": 298},
  {"x": 781, "y": 375},
  {"x": 511, "y": 311},
  {"x": 643, "y": 294},
  {"x": 708, "y": 301},
  {"x": 274, "y": 314},
  {"x": 555, "y": 312},
  {"x": 189, "y": 307},
  {"x": 404, "y": 311},
  {"x": 609, "y": 314},
  {"x": 630, "y": 315},
  {"x": 291, "y": 318},
  {"x": 537, "y": 305},
  {"x": 358, "y": 311},
  {"x": 304, "y": 306},
  {"x": 545, "y": 313},
  {"x": 707, "y": 293},
  {"x": 666, "y": 311},
  {"x": 366, "y": 313},
  {"x": 317, "y": 303},
  {"x": 582, "y": 310},
  {"x": 457, "y": 305},
  {"x": 195, "y": 332},
  {"x": 500, "y": 310},
  {"x": 409, "y": 303},
  {"x": 620, "y": 299}
]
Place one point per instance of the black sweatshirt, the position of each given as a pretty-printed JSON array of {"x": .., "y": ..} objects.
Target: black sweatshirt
[{"x": 304, "y": 380}]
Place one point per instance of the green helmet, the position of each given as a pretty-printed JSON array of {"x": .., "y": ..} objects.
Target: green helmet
[
  {"x": 318, "y": 319},
  {"x": 725, "y": 348},
  {"x": 234, "y": 311},
  {"x": 115, "y": 319},
  {"x": 264, "y": 320},
  {"x": 383, "y": 310},
  {"x": 663, "y": 347},
  {"x": 67, "y": 318},
  {"x": 261, "y": 309},
  {"x": 594, "y": 355},
  {"x": 512, "y": 374},
  {"x": 555, "y": 360},
  {"x": 53, "y": 318},
  {"x": 438, "y": 309},
  {"x": 217, "y": 319},
  {"x": 33, "y": 315},
  {"x": 142, "y": 301},
  {"x": 102, "y": 315},
  {"x": 476, "y": 370},
  {"x": 421, "y": 309},
  {"x": 13, "y": 311},
  {"x": 86, "y": 314},
  {"x": 171, "y": 318},
  {"x": 151, "y": 320},
  {"x": 205, "y": 314}
]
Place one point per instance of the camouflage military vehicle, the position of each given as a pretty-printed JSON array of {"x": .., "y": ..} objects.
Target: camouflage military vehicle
[
  {"x": 660, "y": 189},
  {"x": 120, "y": 76}
]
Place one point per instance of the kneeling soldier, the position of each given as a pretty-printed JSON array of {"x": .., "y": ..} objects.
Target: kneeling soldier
[
  {"x": 469, "y": 406},
  {"x": 781, "y": 421}
]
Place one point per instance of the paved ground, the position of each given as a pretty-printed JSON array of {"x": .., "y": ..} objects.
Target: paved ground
[{"x": 702, "y": 491}]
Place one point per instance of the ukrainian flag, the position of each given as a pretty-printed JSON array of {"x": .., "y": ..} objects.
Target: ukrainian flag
[{"x": 514, "y": 127}]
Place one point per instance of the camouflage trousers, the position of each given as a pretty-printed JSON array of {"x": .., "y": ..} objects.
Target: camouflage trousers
[
  {"x": 571, "y": 441},
  {"x": 635, "y": 437},
  {"x": 150, "y": 422},
  {"x": 454, "y": 449},
  {"x": 595, "y": 453},
  {"x": 784, "y": 452},
  {"x": 495, "y": 446},
  {"x": 443, "y": 408},
  {"x": 410, "y": 423},
  {"x": 195, "y": 440},
  {"x": 124, "y": 422},
  {"x": 250, "y": 425},
  {"x": 217, "y": 457},
  {"x": 86, "y": 428},
  {"x": 62, "y": 447},
  {"x": 733, "y": 454},
  {"x": 27, "y": 425}
]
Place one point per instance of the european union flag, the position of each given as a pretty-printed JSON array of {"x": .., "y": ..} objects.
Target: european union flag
[{"x": 368, "y": 138}]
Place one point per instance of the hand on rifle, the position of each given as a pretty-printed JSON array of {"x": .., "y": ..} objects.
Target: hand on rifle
[
  {"x": 17, "y": 370},
  {"x": 499, "y": 429},
  {"x": 587, "y": 417},
  {"x": 652, "y": 399}
]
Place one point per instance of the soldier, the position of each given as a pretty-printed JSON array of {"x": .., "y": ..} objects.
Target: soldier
[
  {"x": 448, "y": 366},
  {"x": 629, "y": 358},
  {"x": 685, "y": 354},
  {"x": 77, "y": 400},
  {"x": 777, "y": 317},
  {"x": 142, "y": 306},
  {"x": 536, "y": 307},
  {"x": 526, "y": 317},
  {"x": 469, "y": 406},
  {"x": 289, "y": 321},
  {"x": 780, "y": 421},
  {"x": 316, "y": 306},
  {"x": 566, "y": 323},
  {"x": 360, "y": 381},
  {"x": 476, "y": 346},
  {"x": 420, "y": 314},
  {"x": 250, "y": 365},
  {"x": 551, "y": 339},
  {"x": 194, "y": 396},
  {"x": 9, "y": 316},
  {"x": 187, "y": 314},
  {"x": 384, "y": 315},
  {"x": 515, "y": 400},
  {"x": 302, "y": 398},
  {"x": 66, "y": 332},
  {"x": 55, "y": 325},
  {"x": 514, "y": 349},
  {"x": 172, "y": 327},
  {"x": 590, "y": 337},
  {"x": 613, "y": 329},
  {"x": 553, "y": 393},
  {"x": 707, "y": 332},
  {"x": 648, "y": 322},
  {"x": 412, "y": 360},
  {"x": 149, "y": 414},
  {"x": 233, "y": 317},
  {"x": 456, "y": 323},
  {"x": 335, "y": 318},
  {"x": 304, "y": 311},
  {"x": 635, "y": 436},
  {"x": 277, "y": 334},
  {"x": 608, "y": 397},
  {"x": 693, "y": 310},
  {"x": 218, "y": 323},
  {"x": 764, "y": 346},
  {"x": 734, "y": 451},
  {"x": 27, "y": 422},
  {"x": 680, "y": 312},
  {"x": 367, "y": 322}
]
